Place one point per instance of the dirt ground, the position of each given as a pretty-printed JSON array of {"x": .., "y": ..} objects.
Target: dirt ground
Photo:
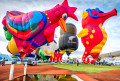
[
  {"x": 113, "y": 75},
  {"x": 50, "y": 69}
]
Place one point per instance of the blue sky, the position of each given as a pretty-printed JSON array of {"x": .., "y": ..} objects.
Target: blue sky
[{"x": 112, "y": 25}]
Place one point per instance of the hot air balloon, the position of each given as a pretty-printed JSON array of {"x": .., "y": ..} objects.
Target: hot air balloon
[
  {"x": 68, "y": 40},
  {"x": 93, "y": 36},
  {"x": 12, "y": 47},
  {"x": 57, "y": 56},
  {"x": 49, "y": 48},
  {"x": 33, "y": 29}
]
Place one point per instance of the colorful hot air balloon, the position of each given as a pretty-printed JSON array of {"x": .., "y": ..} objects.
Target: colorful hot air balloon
[
  {"x": 68, "y": 40},
  {"x": 34, "y": 29},
  {"x": 40, "y": 54},
  {"x": 57, "y": 56},
  {"x": 99, "y": 58},
  {"x": 93, "y": 36}
]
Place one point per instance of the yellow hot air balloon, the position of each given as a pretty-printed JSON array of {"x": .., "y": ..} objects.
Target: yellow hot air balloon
[
  {"x": 49, "y": 53},
  {"x": 12, "y": 48},
  {"x": 62, "y": 52}
]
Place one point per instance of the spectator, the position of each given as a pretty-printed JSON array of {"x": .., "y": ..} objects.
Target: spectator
[
  {"x": 3, "y": 62},
  {"x": 77, "y": 61}
]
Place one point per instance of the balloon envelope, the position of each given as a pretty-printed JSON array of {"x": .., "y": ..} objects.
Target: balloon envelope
[
  {"x": 12, "y": 47},
  {"x": 49, "y": 47},
  {"x": 30, "y": 55}
]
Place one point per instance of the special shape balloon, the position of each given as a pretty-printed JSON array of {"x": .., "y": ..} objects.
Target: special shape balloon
[
  {"x": 57, "y": 56},
  {"x": 40, "y": 54},
  {"x": 68, "y": 40},
  {"x": 49, "y": 48},
  {"x": 33, "y": 29},
  {"x": 93, "y": 36}
]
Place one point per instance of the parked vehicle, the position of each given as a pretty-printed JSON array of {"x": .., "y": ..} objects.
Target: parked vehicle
[
  {"x": 115, "y": 62},
  {"x": 45, "y": 61},
  {"x": 107, "y": 63},
  {"x": 31, "y": 62},
  {"x": 24, "y": 60},
  {"x": 16, "y": 59},
  {"x": 39, "y": 61}
]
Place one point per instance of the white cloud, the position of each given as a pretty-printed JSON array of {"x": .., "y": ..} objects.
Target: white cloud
[{"x": 3, "y": 48}]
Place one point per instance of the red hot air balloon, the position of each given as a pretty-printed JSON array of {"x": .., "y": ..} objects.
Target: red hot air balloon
[
  {"x": 93, "y": 36},
  {"x": 34, "y": 29}
]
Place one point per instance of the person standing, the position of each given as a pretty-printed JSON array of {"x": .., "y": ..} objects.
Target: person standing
[
  {"x": 3, "y": 62},
  {"x": 77, "y": 61}
]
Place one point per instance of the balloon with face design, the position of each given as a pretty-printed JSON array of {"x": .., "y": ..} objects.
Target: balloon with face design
[
  {"x": 93, "y": 36},
  {"x": 34, "y": 29}
]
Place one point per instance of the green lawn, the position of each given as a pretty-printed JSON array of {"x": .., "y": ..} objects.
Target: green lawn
[{"x": 87, "y": 67}]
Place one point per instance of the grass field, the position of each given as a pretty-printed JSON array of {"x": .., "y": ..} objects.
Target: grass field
[{"x": 87, "y": 67}]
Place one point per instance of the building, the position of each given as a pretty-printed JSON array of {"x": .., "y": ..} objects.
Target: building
[{"x": 109, "y": 56}]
